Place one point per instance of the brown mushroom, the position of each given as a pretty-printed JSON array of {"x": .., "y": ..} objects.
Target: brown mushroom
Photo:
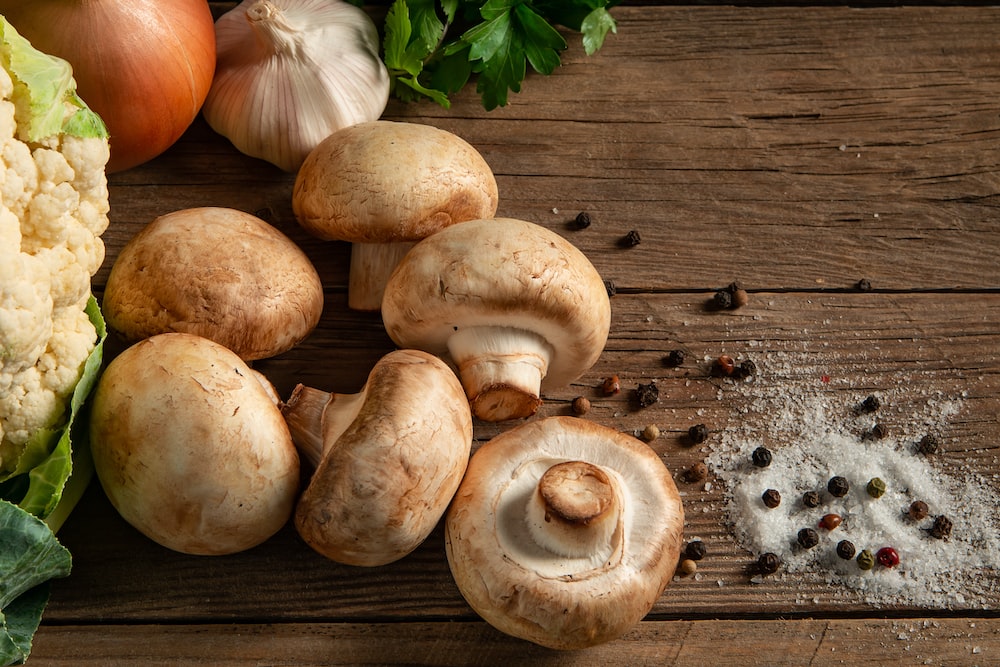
[
  {"x": 384, "y": 185},
  {"x": 517, "y": 309},
  {"x": 388, "y": 458},
  {"x": 190, "y": 447},
  {"x": 564, "y": 532},
  {"x": 219, "y": 273}
]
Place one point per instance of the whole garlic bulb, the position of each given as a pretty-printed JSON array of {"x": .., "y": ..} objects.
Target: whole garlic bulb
[{"x": 289, "y": 73}]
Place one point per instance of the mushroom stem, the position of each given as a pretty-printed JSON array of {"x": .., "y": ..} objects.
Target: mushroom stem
[
  {"x": 501, "y": 369},
  {"x": 371, "y": 266},
  {"x": 316, "y": 419},
  {"x": 574, "y": 510}
]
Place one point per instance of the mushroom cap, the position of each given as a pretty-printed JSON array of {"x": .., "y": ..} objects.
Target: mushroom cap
[
  {"x": 556, "y": 600},
  {"x": 219, "y": 273},
  {"x": 387, "y": 181},
  {"x": 501, "y": 272},
  {"x": 190, "y": 448},
  {"x": 386, "y": 479}
]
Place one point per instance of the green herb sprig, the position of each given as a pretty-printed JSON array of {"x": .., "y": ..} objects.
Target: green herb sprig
[{"x": 433, "y": 48}]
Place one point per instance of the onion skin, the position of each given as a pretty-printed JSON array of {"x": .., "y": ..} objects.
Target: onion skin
[{"x": 144, "y": 66}]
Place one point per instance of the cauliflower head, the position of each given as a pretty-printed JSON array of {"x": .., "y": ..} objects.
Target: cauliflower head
[{"x": 53, "y": 210}]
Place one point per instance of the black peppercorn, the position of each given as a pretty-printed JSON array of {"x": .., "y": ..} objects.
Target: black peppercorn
[
  {"x": 838, "y": 486},
  {"x": 761, "y": 457},
  {"x": 745, "y": 369},
  {"x": 870, "y": 404},
  {"x": 698, "y": 434},
  {"x": 722, "y": 299},
  {"x": 609, "y": 285},
  {"x": 845, "y": 549},
  {"x": 864, "y": 285},
  {"x": 647, "y": 394},
  {"x": 928, "y": 444},
  {"x": 674, "y": 359},
  {"x": 810, "y": 499},
  {"x": 631, "y": 239},
  {"x": 582, "y": 220},
  {"x": 878, "y": 432},
  {"x": 918, "y": 510},
  {"x": 941, "y": 528},
  {"x": 768, "y": 563},
  {"x": 695, "y": 550},
  {"x": 808, "y": 538},
  {"x": 771, "y": 498}
]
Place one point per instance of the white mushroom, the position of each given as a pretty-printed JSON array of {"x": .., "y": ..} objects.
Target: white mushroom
[
  {"x": 517, "y": 308},
  {"x": 190, "y": 448},
  {"x": 564, "y": 532},
  {"x": 383, "y": 186},
  {"x": 388, "y": 458}
]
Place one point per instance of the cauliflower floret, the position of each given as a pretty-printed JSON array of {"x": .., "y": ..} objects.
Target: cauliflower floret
[{"x": 53, "y": 209}]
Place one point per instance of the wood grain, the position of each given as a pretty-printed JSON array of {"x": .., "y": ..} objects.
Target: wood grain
[{"x": 795, "y": 149}]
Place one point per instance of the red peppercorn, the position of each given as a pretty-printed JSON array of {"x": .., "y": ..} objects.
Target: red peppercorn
[
  {"x": 830, "y": 521},
  {"x": 887, "y": 557},
  {"x": 611, "y": 385},
  {"x": 723, "y": 366}
]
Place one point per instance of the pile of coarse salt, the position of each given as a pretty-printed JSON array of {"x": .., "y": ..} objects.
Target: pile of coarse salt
[{"x": 815, "y": 431}]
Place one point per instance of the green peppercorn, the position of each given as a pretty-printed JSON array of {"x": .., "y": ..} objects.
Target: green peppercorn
[
  {"x": 761, "y": 457},
  {"x": 810, "y": 499},
  {"x": 768, "y": 563},
  {"x": 838, "y": 486},
  {"x": 771, "y": 498},
  {"x": 875, "y": 487},
  {"x": 866, "y": 560},
  {"x": 808, "y": 538},
  {"x": 845, "y": 549}
]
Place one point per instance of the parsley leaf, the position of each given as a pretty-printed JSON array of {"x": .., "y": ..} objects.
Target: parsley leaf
[{"x": 496, "y": 42}]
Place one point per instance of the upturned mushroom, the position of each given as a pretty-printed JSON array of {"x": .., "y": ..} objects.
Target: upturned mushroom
[
  {"x": 564, "y": 532},
  {"x": 514, "y": 306},
  {"x": 388, "y": 459},
  {"x": 191, "y": 448},
  {"x": 384, "y": 185},
  {"x": 219, "y": 273}
]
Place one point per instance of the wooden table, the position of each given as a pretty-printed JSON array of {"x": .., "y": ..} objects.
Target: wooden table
[{"x": 796, "y": 150}]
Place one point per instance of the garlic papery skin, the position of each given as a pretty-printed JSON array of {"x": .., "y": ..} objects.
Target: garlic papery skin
[{"x": 289, "y": 73}]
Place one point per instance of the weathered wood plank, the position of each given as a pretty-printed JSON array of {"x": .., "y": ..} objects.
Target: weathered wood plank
[
  {"x": 791, "y": 147},
  {"x": 942, "y": 642},
  {"x": 908, "y": 347}
]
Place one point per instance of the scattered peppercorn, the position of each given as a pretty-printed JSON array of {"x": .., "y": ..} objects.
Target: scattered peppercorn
[
  {"x": 698, "y": 434},
  {"x": 582, "y": 220},
  {"x": 810, "y": 499},
  {"x": 941, "y": 528},
  {"x": 864, "y": 285},
  {"x": 650, "y": 433},
  {"x": 723, "y": 366},
  {"x": 875, "y": 487},
  {"x": 808, "y": 538},
  {"x": 768, "y": 563},
  {"x": 887, "y": 557},
  {"x": 928, "y": 444},
  {"x": 845, "y": 549},
  {"x": 761, "y": 457},
  {"x": 581, "y": 405},
  {"x": 771, "y": 498},
  {"x": 838, "y": 486},
  {"x": 830, "y": 521},
  {"x": 697, "y": 473},
  {"x": 631, "y": 239},
  {"x": 611, "y": 385},
  {"x": 918, "y": 510},
  {"x": 878, "y": 432},
  {"x": 695, "y": 550},
  {"x": 740, "y": 296},
  {"x": 745, "y": 369},
  {"x": 870, "y": 404},
  {"x": 674, "y": 359},
  {"x": 609, "y": 285},
  {"x": 722, "y": 299},
  {"x": 647, "y": 394},
  {"x": 687, "y": 567},
  {"x": 866, "y": 559}
]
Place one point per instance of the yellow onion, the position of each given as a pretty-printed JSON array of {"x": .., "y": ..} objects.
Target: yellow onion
[{"x": 145, "y": 66}]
